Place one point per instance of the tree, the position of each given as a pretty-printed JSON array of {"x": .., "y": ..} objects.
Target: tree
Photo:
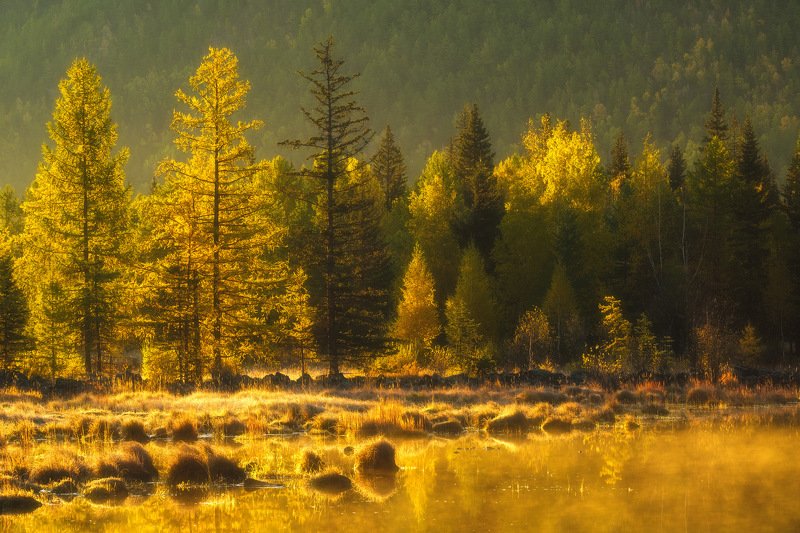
[
  {"x": 417, "y": 314},
  {"x": 619, "y": 170},
  {"x": 676, "y": 168},
  {"x": 76, "y": 222},
  {"x": 390, "y": 169},
  {"x": 433, "y": 208},
  {"x": 13, "y": 309},
  {"x": 348, "y": 217},
  {"x": 532, "y": 338},
  {"x": 220, "y": 257},
  {"x": 562, "y": 311},
  {"x": 473, "y": 162},
  {"x": 615, "y": 353},
  {"x": 715, "y": 124},
  {"x": 752, "y": 206}
]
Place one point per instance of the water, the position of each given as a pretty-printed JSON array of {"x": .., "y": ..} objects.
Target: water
[{"x": 681, "y": 477}]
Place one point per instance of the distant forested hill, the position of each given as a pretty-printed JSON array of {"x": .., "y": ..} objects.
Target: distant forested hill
[{"x": 635, "y": 66}]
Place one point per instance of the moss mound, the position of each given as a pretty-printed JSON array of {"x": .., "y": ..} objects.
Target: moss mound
[{"x": 376, "y": 457}]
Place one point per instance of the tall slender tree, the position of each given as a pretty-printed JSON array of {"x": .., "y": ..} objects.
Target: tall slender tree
[
  {"x": 473, "y": 162},
  {"x": 716, "y": 125},
  {"x": 76, "y": 217},
  {"x": 217, "y": 186},
  {"x": 390, "y": 168},
  {"x": 353, "y": 292}
]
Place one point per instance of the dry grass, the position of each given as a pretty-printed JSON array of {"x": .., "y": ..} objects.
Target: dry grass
[{"x": 377, "y": 456}]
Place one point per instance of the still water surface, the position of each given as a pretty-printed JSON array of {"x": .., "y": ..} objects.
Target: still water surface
[{"x": 705, "y": 477}]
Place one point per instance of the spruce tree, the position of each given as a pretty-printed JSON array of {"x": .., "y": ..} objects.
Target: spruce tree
[
  {"x": 390, "y": 168},
  {"x": 619, "y": 170},
  {"x": 76, "y": 222},
  {"x": 752, "y": 193},
  {"x": 473, "y": 162},
  {"x": 347, "y": 251},
  {"x": 715, "y": 124}
]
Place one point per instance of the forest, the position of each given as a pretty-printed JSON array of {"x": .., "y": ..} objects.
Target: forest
[{"x": 334, "y": 256}]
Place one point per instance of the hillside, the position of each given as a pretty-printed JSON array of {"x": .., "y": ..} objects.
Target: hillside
[{"x": 632, "y": 66}]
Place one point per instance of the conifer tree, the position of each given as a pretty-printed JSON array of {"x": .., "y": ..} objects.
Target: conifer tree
[
  {"x": 752, "y": 206},
  {"x": 715, "y": 124},
  {"x": 676, "y": 168},
  {"x": 417, "y": 314},
  {"x": 475, "y": 292},
  {"x": 13, "y": 309},
  {"x": 473, "y": 162},
  {"x": 348, "y": 252},
  {"x": 221, "y": 257},
  {"x": 76, "y": 221},
  {"x": 390, "y": 168},
  {"x": 619, "y": 170}
]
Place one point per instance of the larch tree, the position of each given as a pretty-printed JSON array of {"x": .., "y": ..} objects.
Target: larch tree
[
  {"x": 13, "y": 308},
  {"x": 350, "y": 257},
  {"x": 676, "y": 168},
  {"x": 417, "y": 313},
  {"x": 216, "y": 187},
  {"x": 76, "y": 219},
  {"x": 474, "y": 296},
  {"x": 390, "y": 168}
]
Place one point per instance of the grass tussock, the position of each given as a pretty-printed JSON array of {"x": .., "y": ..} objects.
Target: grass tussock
[
  {"x": 188, "y": 466},
  {"x": 332, "y": 482},
  {"x": 183, "y": 429},
  {"x": 552, "y": 397},
  {"x": 18, "y": 504},
  {"x": 448, "y": 427},
  {"x": 130, "y": 462},
  {"x": 377, "y": 456},
  {"x": 386, "y": 418},
  {"x": 58, "y": 464},
  {"x": 509, "y": 422},
  {"x": 133, "y": 430},
  {"x": 310, "y": 462},
  {"x": 105, "y": 490}
]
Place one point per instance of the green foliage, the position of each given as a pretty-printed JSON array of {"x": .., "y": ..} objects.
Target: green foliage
[
  {"x": 532, "y": 340},
  {"x": 390, "y": 168}
]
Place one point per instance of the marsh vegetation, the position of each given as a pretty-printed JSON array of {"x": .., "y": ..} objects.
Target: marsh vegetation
[{"x": 650, "y": 457}]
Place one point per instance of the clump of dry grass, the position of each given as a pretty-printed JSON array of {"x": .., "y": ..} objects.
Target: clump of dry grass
[
  {"x": 377, "y": 456},
  {"x": 702, "y": 395},
  {"x": 231, "y": 426},
  {"x": 133, "y": 430},
  {"x": 552, "y": 397},
  {"x": 448, "y": 427},
  {"x": 654, "y": 409},
  {"x": 110, "y": 489},
  {"x": 309, "y": 462},
  {"x": 130, "y": 462},
  {"x": 58, "y": 464},
  {"x": 188, "y": 466},
  {"x": 331, "y": 482},
  {"x": 557, "y": 425},
  {"x": 18, "y": 504},
  {"x": 385, "y": 418},
  {"x": 183, "y": 429},
  {"x": 509, "y": 422},
  {"x": 223, "y": 469},
  {"x": 324, "y": 424},
  {"x": 627, "y": 397}
]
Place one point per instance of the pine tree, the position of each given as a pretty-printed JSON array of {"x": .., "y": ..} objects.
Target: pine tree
[
  {"x": 791, "y": 191},
  {"x": 474, "y": 290},
  {"x": 417, "y": 314},
  {"x": 76, "y": 222},
  {"x": 390, "y": 169},
  {"x": 715, "y": 124},
  {"x": 353, "y": 296},
  {"x": 473, "y": 162}
]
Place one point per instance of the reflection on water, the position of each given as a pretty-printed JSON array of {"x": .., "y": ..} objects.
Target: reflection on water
[{"x": 699, "y": 479}]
